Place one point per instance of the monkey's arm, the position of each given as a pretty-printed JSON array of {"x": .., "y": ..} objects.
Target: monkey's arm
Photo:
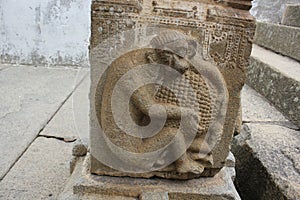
[{"x": 143, "y": 99}]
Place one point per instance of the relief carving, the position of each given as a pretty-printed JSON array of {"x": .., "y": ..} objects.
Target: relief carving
[{"x": 195, "y": 109}]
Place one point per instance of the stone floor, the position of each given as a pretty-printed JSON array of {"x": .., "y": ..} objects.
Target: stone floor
[
  {"x": 37, "y": 128},
  {"x": 44, "y": 110}
]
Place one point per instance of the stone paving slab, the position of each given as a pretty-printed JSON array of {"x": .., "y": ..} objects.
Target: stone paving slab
[
  {"x": 29, "y": 97},
  {"x": 289, "y": 67},
  {"x": 291, "y": 15},
  {"x": 41, "y": 173},
  {"x": 67, "y": 193},
  {"x": 279, "y": 38},
  {"x": 3, "y": 66},
  {"x": 277, "y": 78},
  {"x": 209, "y": 188},
  {"x": 255, "y": 108},
  {"x": 72, "y": 120},
  {"x": 267, "y": 162}
]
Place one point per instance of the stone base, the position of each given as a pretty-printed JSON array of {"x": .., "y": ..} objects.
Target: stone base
[
  {"x": 278, "y": 38},
  {"x": 269, "y": 76},
  {"x": 84, "y": 185},
  {"x": 102, "y": 170},
  {"x": 268, "y": 162}
]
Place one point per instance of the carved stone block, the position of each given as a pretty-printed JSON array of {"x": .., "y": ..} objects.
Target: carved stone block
[
  {"x": 166, "y": 78},
  {"x": 291, "y": 15}
]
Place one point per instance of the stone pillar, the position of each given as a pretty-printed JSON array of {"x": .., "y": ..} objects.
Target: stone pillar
[
  {"x": 224, "y": 37},
  {"x": 172, "y": 68}
]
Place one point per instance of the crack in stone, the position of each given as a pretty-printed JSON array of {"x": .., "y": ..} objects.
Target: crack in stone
[
  {"x": 284, "y": 124},
  {"x": 20, "y": 106},
  {"x": 65, "y": 139},
  {"x": 12, "y": 112},
  {"x": 38, "y": 135},
  {"x": 293, "y": 155}
]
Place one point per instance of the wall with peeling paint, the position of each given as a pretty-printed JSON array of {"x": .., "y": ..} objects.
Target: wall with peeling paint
[{"x": 45, "y": 32}]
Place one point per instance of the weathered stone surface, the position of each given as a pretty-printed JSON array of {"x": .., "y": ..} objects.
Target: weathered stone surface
[
  {"x": 67, "y": 192},
  {"x": 213, "y": 188},
  {"x": 93, "y": 197},
  {"x": 205, "y": 36},
  {"x": 41, "y": 173},
  {"x": 291, "y": 15},
  {"x": 278, "y": 79},
  {"x": 3, "y": 66},
  {"x": 81, "y": 108},
  {"x": 279, "y": 38},
  {"x": 270, "y": 10},
  {"x": 257, "y": 109},
  {"x": 267, "y": 162},
  {"x": 71, "y": 121},
  {"x": 79, "y": 149},
  {"x": 154, "y": 196},
  {"x": 29, "y": 97}
]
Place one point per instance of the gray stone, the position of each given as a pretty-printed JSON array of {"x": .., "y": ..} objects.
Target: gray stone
[
  {"x": 291, "y": 15},
  {"x": 154, "y": 196},
  {"x": 4, "y": 66},
  {"x": 72, "y": 163},
  {"x": 278, "y": 79},
  {"x": 81, "y": 109},
  {"x": 79, "y": 149},
  {"x": 279, "y": 38},
  {"x": 29, "y": 97},
  {"x": 71, "y": 121},
  {"x": 230, "y": 161},
  {"x": 94, "y": 197},
  {"x": 40, "y": 173},
  {"x": 255, "y": 108},
  {"x": 267, "y": 162},
  {"x": 269, "y": 10},
  {"x": 67, "y": 192},
  {"x": 212, "y": 188}
]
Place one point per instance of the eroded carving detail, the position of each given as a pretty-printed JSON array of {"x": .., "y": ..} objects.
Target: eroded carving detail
[{"x": 225, "y": 38}]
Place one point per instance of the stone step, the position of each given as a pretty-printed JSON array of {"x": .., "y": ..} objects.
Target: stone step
[
  {"x": 278, "y": 79},
  {"x": 240, "y": 4},
  {"x": 267, "y": 162},
  {"x": 291, "y": 15},
  {"x": 279, "y": 38}
]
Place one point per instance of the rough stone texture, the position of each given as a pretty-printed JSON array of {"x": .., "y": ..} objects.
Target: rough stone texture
[
  {"x": 2, "y": 66},
  {"x": 213, "y": 188},
  {"x": 270, "y": 10},
  {"x": 255, "y": 108},
  {"x": 154, "y": 196},
  {"x": 29, "y": 97},
  {"x": 278, "y": 79},
  {"x": 93, "y": 197},
  {"x": 62, "y": 125},
  {"x": 41, "y": 173},
  {"x": 225, "y": 35},
  {"x": 67, "y": 192},
  {"x": 291, "y": 15},
  {"x": 79, "y": 149},
  {"x": 279, "y": 38},
  {"x": 267, "y": 162}
]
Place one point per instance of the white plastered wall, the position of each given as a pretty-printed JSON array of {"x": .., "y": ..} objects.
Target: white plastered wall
[{"x": 45, "y": 32}]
